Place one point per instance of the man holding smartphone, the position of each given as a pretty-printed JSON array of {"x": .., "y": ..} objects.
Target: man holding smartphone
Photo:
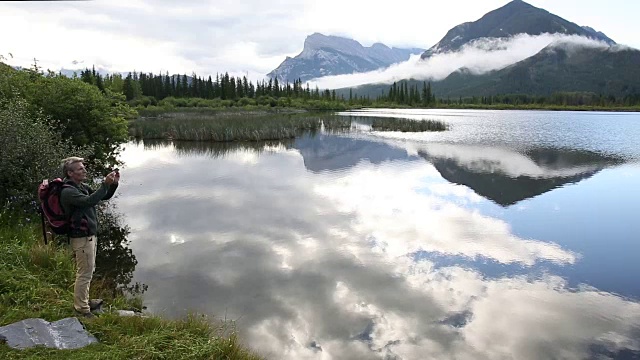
[{"x": 79, "y": 203}]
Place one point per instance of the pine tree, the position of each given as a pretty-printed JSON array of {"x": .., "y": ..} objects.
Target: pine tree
[
  {"x": 184, "y": 85},
  {"x": 85, "y": 76},
  {"x": 99, "y": 83},
  {"x": 245, "y": 86},
  {"x": 128, "y": 87}
]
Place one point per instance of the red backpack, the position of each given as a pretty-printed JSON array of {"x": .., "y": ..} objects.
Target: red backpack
[{"x": 51, "y": 209}]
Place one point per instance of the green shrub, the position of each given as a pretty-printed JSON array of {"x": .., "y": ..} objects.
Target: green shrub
[
  {"x": 32, "y": 150},
  {"x": 85, "y": 115}
]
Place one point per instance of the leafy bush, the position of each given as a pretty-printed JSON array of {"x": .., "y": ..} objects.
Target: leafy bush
[
  {"x": 246, "y": 101},
  {"x": 32, "y": 150},
  {"x": 84, "y": 114}
]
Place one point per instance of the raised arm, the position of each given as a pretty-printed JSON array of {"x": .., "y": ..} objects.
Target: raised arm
[
  {"x": 73, "y": 197},
  {"x": 111, "y": 191}
]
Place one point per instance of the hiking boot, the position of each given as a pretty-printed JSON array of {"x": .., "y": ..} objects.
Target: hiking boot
[
  {"x": 86, "y": 315},
  {"x": 95, "y": 304}
]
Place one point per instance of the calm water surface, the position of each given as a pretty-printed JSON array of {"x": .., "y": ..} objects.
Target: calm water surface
[{"x": 514, "y": 235}]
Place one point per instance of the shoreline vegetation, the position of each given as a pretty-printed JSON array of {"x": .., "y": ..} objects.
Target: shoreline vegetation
[
  {"x": 253, "y": 125},
  {"x": 233, "y": 126},
  {"x": 150, "y": 92},
  {"x": 406, "y": 125},
  {"x": 164, "y": 108}
]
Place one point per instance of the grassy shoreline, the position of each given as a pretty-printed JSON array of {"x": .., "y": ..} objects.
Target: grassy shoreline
[
  {"x": 253, "y": 124},
  {"x": 36, "y": 281},
  {"x": 153, "y": 111},
  {"x": 522, "y": 107},
  {"x": 229, "y": 126}
]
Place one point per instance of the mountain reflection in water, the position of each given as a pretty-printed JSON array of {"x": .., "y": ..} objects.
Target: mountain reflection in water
[
  {"x": 498, "y": 174},
  {"x": 507, "y": 177},
  {"x": 311, "y": 245}
]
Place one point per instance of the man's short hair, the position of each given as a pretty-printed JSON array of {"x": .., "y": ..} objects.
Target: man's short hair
[{"x": 67, "y": 164}]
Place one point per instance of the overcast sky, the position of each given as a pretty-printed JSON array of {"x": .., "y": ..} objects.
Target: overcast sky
[{"x": 249, "y": 36}]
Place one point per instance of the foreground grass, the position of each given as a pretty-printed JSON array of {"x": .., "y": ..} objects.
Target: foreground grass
[{"x": 36, "y": 281}]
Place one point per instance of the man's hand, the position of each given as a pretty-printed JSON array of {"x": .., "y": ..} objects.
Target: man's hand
[{"x": 111, "y": 178}]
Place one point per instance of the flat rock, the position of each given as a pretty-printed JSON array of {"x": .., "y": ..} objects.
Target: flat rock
[
  {"x": 67, "y": 333},
  {"x": 128, "y": 313}
]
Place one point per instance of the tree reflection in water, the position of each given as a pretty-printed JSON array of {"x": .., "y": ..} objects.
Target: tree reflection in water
[
  {"x": 115, "y": 261},
  {"x": 216, "y": 149}
]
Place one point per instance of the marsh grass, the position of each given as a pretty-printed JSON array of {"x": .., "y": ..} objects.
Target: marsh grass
[
  {"x": 335, "y": 122},
  {"x": 232, "y": 126},
  {"x": 36, "y": 281},
  {"x": 407, "y": 125},
  {"x": 223, "y": 127}
]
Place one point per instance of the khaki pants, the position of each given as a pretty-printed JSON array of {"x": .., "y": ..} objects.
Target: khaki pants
[{"x": 84, "y": 249}]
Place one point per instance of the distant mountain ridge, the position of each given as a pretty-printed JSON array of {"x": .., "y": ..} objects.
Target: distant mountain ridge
[
  {"x": 333, "y": 55},
  {"x": 516, "y": 17},
  {"x": 569, "y": 64},
  {"x": 558, "y": 67}
]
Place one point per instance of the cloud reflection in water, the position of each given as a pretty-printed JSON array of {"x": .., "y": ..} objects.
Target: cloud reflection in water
[{"x": 320, "y": 264}]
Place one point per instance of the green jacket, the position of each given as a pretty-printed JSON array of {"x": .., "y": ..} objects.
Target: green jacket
[{"x": 79, "y": 203}]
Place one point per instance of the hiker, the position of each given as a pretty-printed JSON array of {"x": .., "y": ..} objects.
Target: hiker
[{"x": 79, "y": 203}]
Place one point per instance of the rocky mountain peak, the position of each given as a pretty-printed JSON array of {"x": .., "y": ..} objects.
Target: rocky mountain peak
[
  {"x": 325, "y": 55},
  {"x": 516, "y": 17}
]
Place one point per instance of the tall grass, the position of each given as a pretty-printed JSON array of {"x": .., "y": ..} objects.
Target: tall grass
[
  {"x": 232, "y": 125},
  {"x": 336, "y": 122},
  {"x": 407, "y": 125},
  {"x": 36, "y": 281},
  {"x": 173, "y": 112},
  {"x": 226, "y": 127}
]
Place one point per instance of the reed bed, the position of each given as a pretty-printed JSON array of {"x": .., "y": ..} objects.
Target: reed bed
[
  {"x": 336, "y": 122},
  {"x": 227, "y": 127},
  {"x": 406, "y": 125},
  {"x": 232, "y": 126}
]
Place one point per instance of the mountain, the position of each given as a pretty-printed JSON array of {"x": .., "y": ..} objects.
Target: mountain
[
  {"x": 557, "y": 68},
  {"x": 566, "y": 65},
  {"x": 560, "y": 67},
  {"x": 332, "y": 55},
  {"x": 517, "y": 17}
]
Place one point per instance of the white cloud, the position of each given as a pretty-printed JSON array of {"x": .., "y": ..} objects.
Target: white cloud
[
  {"x": 203, "y": 36},
  {"x": 478, "y": 57}
]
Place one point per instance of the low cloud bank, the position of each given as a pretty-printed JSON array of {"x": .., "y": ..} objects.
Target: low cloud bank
[{"x": 479, "y": 56}]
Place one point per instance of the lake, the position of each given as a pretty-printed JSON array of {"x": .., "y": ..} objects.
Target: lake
[{"x": 514, "y": 234}]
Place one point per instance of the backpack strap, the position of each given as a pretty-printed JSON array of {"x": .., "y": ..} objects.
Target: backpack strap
[{"x": 44, "y": 230}]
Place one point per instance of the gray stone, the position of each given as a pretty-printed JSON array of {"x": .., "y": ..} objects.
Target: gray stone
[
  {"x": 126, "y": 313},
  {"x": 67, "y": 333}
]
